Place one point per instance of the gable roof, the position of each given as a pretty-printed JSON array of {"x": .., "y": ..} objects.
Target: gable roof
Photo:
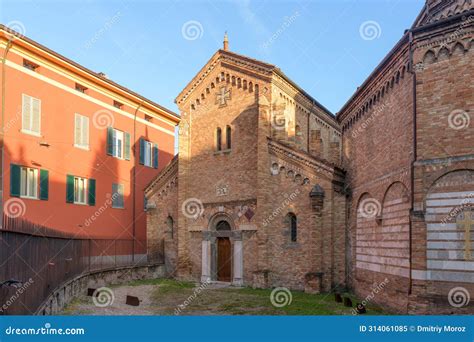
[
  {"x": 437, "y": 10},
  {"x": 259, "y": 68}
]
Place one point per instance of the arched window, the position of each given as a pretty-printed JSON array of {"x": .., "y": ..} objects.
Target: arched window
[
  {"x": 293, "y": 225},
  {"x": 228, "y": 133},
  {"x": 170, "y": 225},
  {"x": 219, "y": 139}
]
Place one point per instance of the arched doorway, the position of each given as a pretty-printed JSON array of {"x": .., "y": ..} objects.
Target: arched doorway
[{"x": 224, "y": 253}]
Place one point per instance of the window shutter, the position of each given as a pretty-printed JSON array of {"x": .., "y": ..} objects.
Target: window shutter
[
  {"x": 127, "y": 146},
  {"x": 91, "y": 198},
  {"x": 44, "y": 184},
  {"x": 142, "y": 152},
  {"x": 85, "y": 131},
  {"x": 36, "y": 112},
  {"x": 69, "y": 189},
  {"x": 155, "y": 156},
  {"x": 77, "y": 129},
  {"x": 110, "y": 141},
  {"x": 15, "y": 180},
  {"x": 26, "y": 113}
]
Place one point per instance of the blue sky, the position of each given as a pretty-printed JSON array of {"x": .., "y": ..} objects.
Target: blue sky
[{"x": 156, "y": 47}]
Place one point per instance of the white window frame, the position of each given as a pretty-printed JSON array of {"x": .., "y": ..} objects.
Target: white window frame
[
  {"x": 118, "y": 143},
  {"x": 77, "y": 196},
  {"x": 25, "y": 182},
  {"x": 122, "y": 187},
  {"x": 28, "y": 130},
  {"x": 84, "y": 125},
  {"x": 148, "y": 157}
]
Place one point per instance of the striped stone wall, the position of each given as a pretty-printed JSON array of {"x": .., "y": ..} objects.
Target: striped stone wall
[
  {"x": 383, "y": 233},
  {"x": 449, "y": 245}
]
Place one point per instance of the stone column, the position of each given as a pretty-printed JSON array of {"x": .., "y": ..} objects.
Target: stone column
[
  {"x": 206, "y": 261},
  {"x": 238, "y": 264}
]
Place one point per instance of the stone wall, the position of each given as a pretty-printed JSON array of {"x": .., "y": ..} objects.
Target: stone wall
[{"x": 78, "y": 286}]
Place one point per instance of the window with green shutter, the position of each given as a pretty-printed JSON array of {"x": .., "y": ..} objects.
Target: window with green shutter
[
  {"x": 91, "y": 192},
  {"x": 15, "y": 171},
  {"x": 70, "y": 189},
  {"x": 44, "y": 185}
]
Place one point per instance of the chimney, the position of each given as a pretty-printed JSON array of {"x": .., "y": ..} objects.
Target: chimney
[{"x": 226, "y": 42}]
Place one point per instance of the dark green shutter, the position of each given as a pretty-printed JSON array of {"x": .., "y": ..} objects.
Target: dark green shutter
[
  {"x": 142, "y": 152},
  {"x": 69, "y": 189},
  {"x": 155, "y": 156},
  {"x": 110, "y": 141},
  {"x": 44, "y": 185},
  {"x": 91, "y": 198},
  {"x": 15, "y": 180},
  {"x": 126, "y": 151}
]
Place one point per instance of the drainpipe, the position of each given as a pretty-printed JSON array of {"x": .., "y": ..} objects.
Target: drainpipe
[
  {"x": 412, "y": 171},
  {"x": 2, "y": 128},
  {"x": 134, "y": 177}
]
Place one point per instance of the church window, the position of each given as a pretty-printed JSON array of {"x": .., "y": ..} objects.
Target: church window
[
  {"x": 170, "y": 225},
  {"x": 219, "y": 139},
  {"x": 292, "y": 221},
  {"x": 228, "y": 133}
]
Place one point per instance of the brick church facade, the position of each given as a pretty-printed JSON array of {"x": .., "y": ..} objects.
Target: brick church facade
[{"x": 271, "y": 189}]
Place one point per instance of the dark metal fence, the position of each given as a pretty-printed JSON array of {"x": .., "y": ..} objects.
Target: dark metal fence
[{"x": 35, "y": 260}]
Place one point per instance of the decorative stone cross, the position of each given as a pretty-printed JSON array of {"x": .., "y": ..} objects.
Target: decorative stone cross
[
  {"x": 222, "y": 96},
  {"x": 466, "y": 221}
]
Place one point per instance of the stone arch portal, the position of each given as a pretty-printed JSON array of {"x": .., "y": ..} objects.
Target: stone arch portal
[{"x": 222, "y": 255}]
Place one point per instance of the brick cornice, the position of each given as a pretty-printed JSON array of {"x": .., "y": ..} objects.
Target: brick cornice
[
  {"x": 301, "y": 159},
  {"x": 168, "y": 173}
]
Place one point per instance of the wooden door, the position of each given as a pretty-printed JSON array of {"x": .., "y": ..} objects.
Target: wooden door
[{"x": 224, "y": 259}]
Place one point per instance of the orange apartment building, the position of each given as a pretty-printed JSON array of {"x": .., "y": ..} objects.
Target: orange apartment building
[{"x": 78, "y": 149}]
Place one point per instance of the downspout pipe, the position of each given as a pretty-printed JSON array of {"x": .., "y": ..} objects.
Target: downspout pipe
[
  {"x": 134, "y": 178},
  {"x": 2, "y": 128},
  {"x": 412, "y": 171}
]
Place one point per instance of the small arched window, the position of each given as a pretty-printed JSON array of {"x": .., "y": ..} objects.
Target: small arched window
[
  {"x": 293, "y": 225},
  {"x": 228, "y": 133},
  {"x": 219, "y": 139},
  {"x": 170, "y": 225}
]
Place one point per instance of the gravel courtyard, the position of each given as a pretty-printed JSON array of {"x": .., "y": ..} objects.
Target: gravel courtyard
[{"x": 170, "y": 297}]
